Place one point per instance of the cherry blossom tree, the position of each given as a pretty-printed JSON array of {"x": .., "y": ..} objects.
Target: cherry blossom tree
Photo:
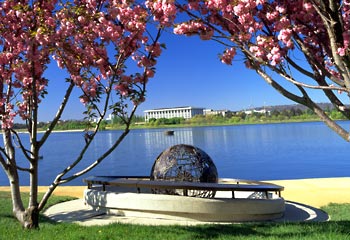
[
  {"x": 93, "y": 41},
  {"x": 297, "y": 47}
]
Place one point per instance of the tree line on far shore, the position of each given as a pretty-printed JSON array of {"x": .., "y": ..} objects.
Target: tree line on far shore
[{"x": 285, "y": 115}]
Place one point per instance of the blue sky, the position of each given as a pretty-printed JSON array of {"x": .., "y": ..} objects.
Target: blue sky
[{"x": 189, "y": 73}]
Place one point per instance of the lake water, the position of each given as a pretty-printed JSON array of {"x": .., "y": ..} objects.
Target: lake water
[{"x": 258, "y": 152}]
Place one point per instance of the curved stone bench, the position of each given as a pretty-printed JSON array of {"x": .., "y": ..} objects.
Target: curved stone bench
[{"x": 129, "y": 197}]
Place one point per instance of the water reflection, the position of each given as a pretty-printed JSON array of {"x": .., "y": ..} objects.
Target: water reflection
[
  {"x": 158, "y": 139},
  {"x": 261, "y": 152}
]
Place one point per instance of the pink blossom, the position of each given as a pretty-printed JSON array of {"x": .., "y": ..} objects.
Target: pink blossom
[
  {"x": 307, "y": 6},
  {"x": 154, "y": 49},
  {"x": 228, "y": 56},
  {"x": 341, "y": 51},
  {"x": 206, "y": 34},
  {"x": 123, "y": 89},
  {"x": 84, "y": 100},
  {"x": 164, "y": 11},
  {"x": 150, "y": 73},
  {"x": 82, "y": 19}
]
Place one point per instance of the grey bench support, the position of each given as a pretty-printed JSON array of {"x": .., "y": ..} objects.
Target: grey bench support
[{"x": 142, "y": 182}]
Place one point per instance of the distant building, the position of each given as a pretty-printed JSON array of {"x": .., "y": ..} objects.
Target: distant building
[
  {"x": 108, "y": 119},
  {"x": 261, "y": 111},
  {"x": 215, "y": 112},
  {"x": 184, "y": 112}
]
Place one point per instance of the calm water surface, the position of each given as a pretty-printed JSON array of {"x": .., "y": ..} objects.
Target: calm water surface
[{"x": 259, "y": 152}]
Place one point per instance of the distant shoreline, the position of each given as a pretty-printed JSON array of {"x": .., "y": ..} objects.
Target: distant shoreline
[
  {"x": 210, "y": 124},
  {"x": 54, "y": 131},
  {"x": 72, "y": 130},
  {"x": 144, "y": 126}
]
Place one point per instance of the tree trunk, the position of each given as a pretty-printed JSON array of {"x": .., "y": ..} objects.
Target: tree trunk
[{"x": 29, "y": 218}]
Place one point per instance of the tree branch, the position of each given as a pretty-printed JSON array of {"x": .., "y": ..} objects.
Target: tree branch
[
  {"x": 2, "y": 160},
  {"x": 57, "y": 181},
  {"x": 312, "y": 61},
  {"x": 306, "y": 101},
  {"x": 334, "y": 30},
  {"x": 278, "y": 87},
  {"x": 23, "y": 169},
  {"x": 297, "y": 83},
  {"x": 100, "y": 159},
  {"x": 21, "y": 146},
  {"x": 58, "y": 114},
  {"x": 329, "y": 122}
]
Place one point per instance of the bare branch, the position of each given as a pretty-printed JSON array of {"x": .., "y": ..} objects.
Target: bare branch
[
  {"x": 100, "y": 159},
  {"x": 278, "y": 87},
  {"x": 5, "y": 153},
  {"x": 2, "y": 160},
  {"x": 23, "y": 169},
  {"x": 330, "y": 123},
  {"x": 21, "y": 146},
  {"x": 335, "y": 100},
  {"x": 58, "y": 114},
  {"x": 299, "y": 68},
  {"x": 327, "y": 87},
  {"x": 307, "y": 102},
  {"x": 59, "y": 178},
  {"x": 57, "y": 181},
  {"x": 334, "y": 30}
]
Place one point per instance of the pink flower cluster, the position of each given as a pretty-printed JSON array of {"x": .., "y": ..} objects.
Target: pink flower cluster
[
  {"x": 95, "y": 39},
  {"x": 268, "y": 31},
  {"x": 194, "y": 28},
  {"x": 164, "y": 11},
  {"x": 123, "y": 25},
  {"x": 344, "y": 49},
  {"x": 228, "y": 56},
  {"x": 91, "y": 39},
  {"x": 25, "y": 44}
]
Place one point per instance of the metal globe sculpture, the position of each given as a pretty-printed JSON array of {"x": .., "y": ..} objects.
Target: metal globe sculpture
[{"x": 184, "y": 163}]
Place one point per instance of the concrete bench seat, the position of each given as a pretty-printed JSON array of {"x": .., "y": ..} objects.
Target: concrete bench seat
[
  {"x": 141, "y": 182},
  {"x": 131, "y": 196}
]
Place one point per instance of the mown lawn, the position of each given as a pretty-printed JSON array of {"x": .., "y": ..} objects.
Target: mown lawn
[{"x": 337, "y": 228}]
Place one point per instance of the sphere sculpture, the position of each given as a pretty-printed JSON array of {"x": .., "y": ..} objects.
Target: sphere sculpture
[{"x": 184, "y": 163}]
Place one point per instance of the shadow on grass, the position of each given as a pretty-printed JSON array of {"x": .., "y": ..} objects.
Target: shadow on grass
[{"x": 298, "y": 212}]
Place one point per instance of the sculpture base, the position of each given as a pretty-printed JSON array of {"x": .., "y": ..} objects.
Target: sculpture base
[{"x": 222, "y": 208}]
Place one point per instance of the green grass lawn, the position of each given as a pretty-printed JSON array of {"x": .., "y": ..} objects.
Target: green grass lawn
[{"x": 337, "y": 228}]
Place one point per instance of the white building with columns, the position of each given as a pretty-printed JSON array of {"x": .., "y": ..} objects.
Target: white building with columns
[{"x": 184, "y": 112}]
